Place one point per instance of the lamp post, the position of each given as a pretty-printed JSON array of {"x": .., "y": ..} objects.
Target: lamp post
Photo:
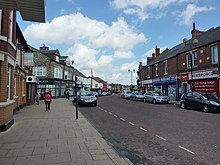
[
  {"x": 131, "y": 71},
  {"x": 191, "y": 45}
]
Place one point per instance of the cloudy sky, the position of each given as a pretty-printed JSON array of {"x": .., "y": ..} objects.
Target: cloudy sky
[{"x": 112, "y": 36}]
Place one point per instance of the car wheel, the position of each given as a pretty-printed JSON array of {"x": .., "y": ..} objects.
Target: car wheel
[
  {"x": 183, "y": 105},
  {"x": 206, "y": 108},
  {"x": 154, "y": 101},
  {"x": 145, "y": 100}
]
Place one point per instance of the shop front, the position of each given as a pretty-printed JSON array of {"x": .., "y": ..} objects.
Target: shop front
[
  {"x": 166, "y": 85},
  {"x": 147, "y": 85},
  {"x": 201, "y": 81}
]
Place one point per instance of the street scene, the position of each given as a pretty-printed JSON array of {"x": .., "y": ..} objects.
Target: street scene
[
  {"x": 110, "y": 82},
  {"x": 150, "y": 133}
]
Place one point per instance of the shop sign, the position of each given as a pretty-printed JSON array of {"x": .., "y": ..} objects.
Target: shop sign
[
  {"x": 206, "y": 85},
  {"x": 147, "y": 81},
  {"x": 184, "y": 77},
  {"x": 165, "y": 80},
  {"x": 204, "y": 74}
]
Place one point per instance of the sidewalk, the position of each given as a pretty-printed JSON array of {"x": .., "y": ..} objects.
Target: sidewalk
[{"x": 55, "y": 137}]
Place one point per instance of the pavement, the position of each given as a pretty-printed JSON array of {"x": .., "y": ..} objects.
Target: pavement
[{"x": 55, "y": 137}]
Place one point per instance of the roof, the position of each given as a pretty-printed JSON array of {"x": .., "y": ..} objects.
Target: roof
[
  {"x": 98, "y": 79},
  {"x": 210, "y": 36},
  {"x": 21, "y": 38},
  {"x": 31, "y": 10}
]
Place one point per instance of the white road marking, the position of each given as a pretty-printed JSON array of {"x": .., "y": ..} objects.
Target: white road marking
[
  {"x": 131, "y": 123},
  {"x": 110, "y": 113},
  {"x": 106, "y": 111},
  {"x": 143, "y": 129},
  {"x": 161, "y": 137},
  {"x": 186, "y": 150},
  {"x": 115, "y": 115},
  {"x": 122, "y": 119}
]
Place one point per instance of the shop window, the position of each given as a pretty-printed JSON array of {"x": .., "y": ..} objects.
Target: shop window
[{"x": 214, "y": 54}]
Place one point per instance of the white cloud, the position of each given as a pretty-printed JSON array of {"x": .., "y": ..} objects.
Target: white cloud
[
  {"x": 76, "y": 28},
  {"x": 123, "y": 54},
  {"x": 192, "y": 10}
]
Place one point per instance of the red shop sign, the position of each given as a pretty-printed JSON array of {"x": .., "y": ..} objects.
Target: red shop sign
[
  {"x": 206, "y": 85},
  {"x": 184, "y": 77}
]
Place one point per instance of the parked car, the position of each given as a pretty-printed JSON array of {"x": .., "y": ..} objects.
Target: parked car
[
  {"x": 155, "y": 97},
  {"x": 137, "y": 95},
  {"x": 126, "y": 94},
  {"x": 87, "y": 98},
  {"x": 200, "y": 100}
]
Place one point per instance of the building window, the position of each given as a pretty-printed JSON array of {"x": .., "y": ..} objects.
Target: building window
[
  {"x": 23, "y": 87},
  {"x": 15, "y": 94},
  {"x": 156, "y": 69},
  {"x": 57, "y": 58},
  {"x": 9, "y": 82},
  {"x": 66, "y": 75},
  {"x": 39, "y": 71},
  {"x": 0, "y": 22},
  {"x": 194, "y": 59},
  {"x": 165, "y": 67},
  {"x": 58, "y": 72},
  {"x": 188, "y": 61},
  {"x": 148, "y": 72},
  {"x": 10, "y": 26},
  {"x": 214, "y": 54}
]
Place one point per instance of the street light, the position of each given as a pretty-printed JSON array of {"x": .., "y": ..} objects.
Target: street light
[
  {"x": 194, "y": 42},
  {"x": 131, "y": 71}
]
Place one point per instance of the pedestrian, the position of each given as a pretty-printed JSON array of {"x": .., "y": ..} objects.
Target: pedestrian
[
  {"x": 47, "y": 100},
  {"x": 68, "y": 94},
  {"x": 37, "y": 98}
]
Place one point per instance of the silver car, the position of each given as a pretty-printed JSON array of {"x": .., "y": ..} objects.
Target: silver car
[
  {"x": 155, "y": 97},
  {"x": 126, "y": 94}
]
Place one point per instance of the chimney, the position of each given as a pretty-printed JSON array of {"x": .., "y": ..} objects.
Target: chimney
[
  {"x": 157, "y": 51},
  {"x": 44, "y": 48},
  {"x": 196, "y": 32},
  {"x": 153, "y": 55}
]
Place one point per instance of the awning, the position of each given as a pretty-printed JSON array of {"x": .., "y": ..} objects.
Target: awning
[{"x": 30, "y": 10}]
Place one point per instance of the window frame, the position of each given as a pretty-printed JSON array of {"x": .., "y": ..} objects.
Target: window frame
[
  {"x": 10, "y": 26},
  {"x": 0, "y": 22},
  {"x": 216, "y": 55},
  {"x": 165, "y": 67},
  {"x": 156, "y": 69},
  {"x": 9, "y": 72},
  {"x": 40, "y": 69}
]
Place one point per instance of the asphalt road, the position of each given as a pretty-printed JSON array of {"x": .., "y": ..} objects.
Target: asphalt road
[{"x": 157, "y": 134}]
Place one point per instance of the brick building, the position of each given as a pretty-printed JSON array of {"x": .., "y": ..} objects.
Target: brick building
[
  {"x": 55, "y": 73},
  {"x": 12, "y": 48},
  {"x": 191, "y": 65}
]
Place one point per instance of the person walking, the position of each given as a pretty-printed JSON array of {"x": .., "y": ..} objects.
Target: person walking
[
  {"x": 47, "y": 100},
  {"x": 37, "y": 98}
]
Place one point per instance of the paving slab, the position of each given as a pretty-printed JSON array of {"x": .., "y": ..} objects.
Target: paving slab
[{"x": 55, "y": 137}]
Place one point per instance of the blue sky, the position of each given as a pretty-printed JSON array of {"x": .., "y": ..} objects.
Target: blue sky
[{"x": 112, "y": 36}]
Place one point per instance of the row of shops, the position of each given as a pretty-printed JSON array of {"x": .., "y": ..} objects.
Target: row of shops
[{"x": 174, "y": 86}]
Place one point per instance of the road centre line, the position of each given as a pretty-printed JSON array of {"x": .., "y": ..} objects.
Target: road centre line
[
  {"x": 110, "y": 113},
  {"x": 161, "y": 137},
  {"x": 131, "y": 123},
  {"x": 186, "y": 150},
  {"x": 143, "y": 129},
  {"x": 106, "y": 111},
  {"x": 122, "y": 119},
  {"x": 115, "y": 115}
]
